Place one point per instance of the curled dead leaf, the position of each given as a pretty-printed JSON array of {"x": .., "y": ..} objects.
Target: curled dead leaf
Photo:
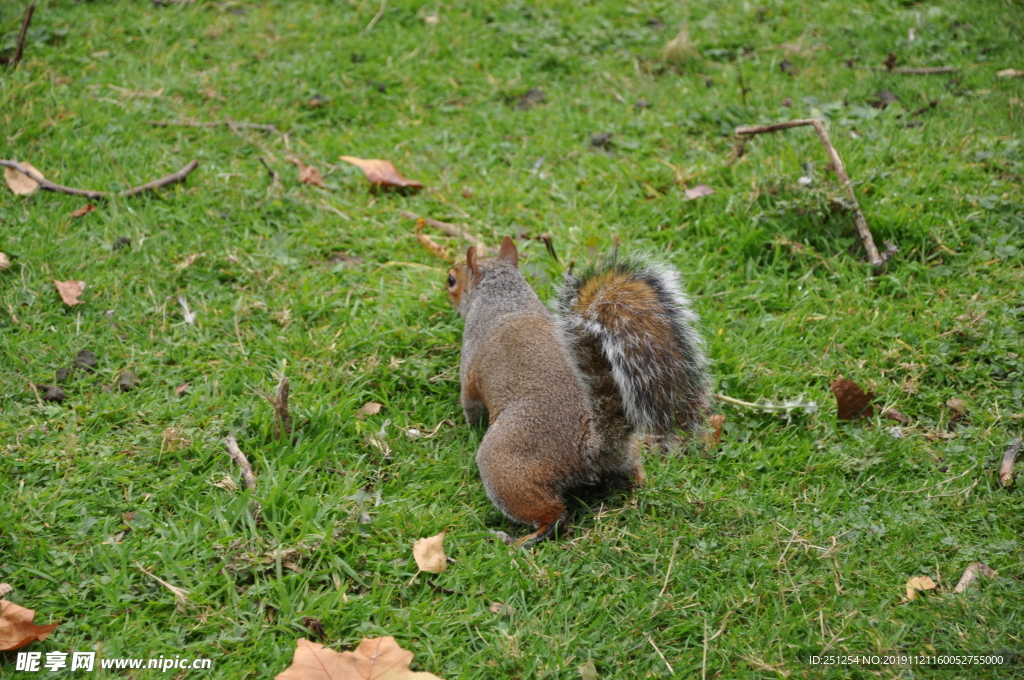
[
  {"x": 5, "y": 262},
  {"x": 5, "y": 588},
  {"x": 70, "y": 291},
  {"x": 958, "y": 407},
  {"x": 972, "y": 573},
  {"x": 893, "y": 414},
  {"x": 429, "y": 554},
  {"x": 382, "y": 173},
  {"x": 17, "y": 629},
  {"x": 370, "y": 408},
  {"x": 698, "y": 191},
  {"x": 84, "y": 210},
  {"x": 919, "y": 584},
  {"x": 713, "y": 435},
  {"x": 374, "y": 659},
  {"x": 20, "y": 183},
  {"x": 851, "y": 400},
  {"x": 307, "y": 173}
]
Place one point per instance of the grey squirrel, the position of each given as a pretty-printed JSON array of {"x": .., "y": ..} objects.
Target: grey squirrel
[{"x": 564, "y": 394}]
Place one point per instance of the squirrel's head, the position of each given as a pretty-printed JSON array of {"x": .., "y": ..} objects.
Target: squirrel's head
[{"x": 464, "y": 276}]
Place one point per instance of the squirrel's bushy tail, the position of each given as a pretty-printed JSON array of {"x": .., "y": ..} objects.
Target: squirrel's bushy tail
[{"x": 631, "y": 329}]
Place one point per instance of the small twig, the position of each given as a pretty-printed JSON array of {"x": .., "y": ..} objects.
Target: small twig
[
  {"x": 213, "y": 124},
  {"x": 449, "y": 229},
  {"x": 248, "y": 476},
  {"x": 35, "y": 390},
  {"x": 1009, "y": 458},
  {"x": 743, "y": 132},
  {"x": 929, "y": 71},
  {"x": 376, "y": 17},
  {"x": 46, "y": 184},
  {"x": 282, "y": 418},
  {"x": 20, "y": 49}
]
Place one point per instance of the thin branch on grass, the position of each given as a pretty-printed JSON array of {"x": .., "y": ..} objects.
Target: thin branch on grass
[
  {"x": 46, "y": 184},
  {"x": 376, "y": 17},
  {"x": 275, "y": 179},
  {"x": 20, "y": 49},
  {"x": 929, "y": 71},
  {"x": 216, "y": 123},
  {"x": 1009, "y": 458},
  {"x": 248, "y": 476},
  {"x": 449, "y": 229},
  {"x": 744, "y": 132}
]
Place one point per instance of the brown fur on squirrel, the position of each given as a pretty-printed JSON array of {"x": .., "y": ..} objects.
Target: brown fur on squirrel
[{"x": 565, "y": 394}]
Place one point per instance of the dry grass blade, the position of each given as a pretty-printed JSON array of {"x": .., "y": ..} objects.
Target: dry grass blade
[
  {"x": 248, "y": 476},
  {"x": 180, "y": 594}
]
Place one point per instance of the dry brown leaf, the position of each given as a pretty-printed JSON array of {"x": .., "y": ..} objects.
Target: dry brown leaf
[
  {"x": 698, "y": 191},
  {"x": 893, "y": 414},
  {"x": 17, "y": 629},
  {"x": 1010, "y": 73},
  {"x": 919, "y": 584},
  {"x": 211, "y": 93},
  {"x": 958, "y": 407},
  {"x": 1006, "y": 466},
  {"x": 382, "y": 173},
  {"x": 20, "y": 183},
  {"x": 70, "y": 291},
  {"x": 84, "y": 210},
  {"x": 5, "y": 262},
  {"x": 429, "y": 554},
  {"x": 373, "y": 659},
  {"x": 370, "y": 408},
  {"x": 5, "y": 588},
  {"x": 852, "y": 401},
  {"x": 181, "y": 389},
  {"x": 307, "y": 173},
  {"x": 972, "y": 573},
  {"x": 713, "y": 435}
]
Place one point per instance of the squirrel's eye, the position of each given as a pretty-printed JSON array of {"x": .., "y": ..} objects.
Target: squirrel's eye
[{"x": 451, "y": 280}]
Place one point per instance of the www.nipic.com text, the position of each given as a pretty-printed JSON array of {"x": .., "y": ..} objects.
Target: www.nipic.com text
[{"x": 86, "y": 661}]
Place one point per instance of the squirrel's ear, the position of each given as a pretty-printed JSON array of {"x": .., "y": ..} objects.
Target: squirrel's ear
[
  {"x": 471, "y": 261},
  {"x": 508, "y": 252}
]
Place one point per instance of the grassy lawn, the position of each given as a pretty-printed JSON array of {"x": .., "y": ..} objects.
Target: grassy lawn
[{"x": 793, "y": 536}]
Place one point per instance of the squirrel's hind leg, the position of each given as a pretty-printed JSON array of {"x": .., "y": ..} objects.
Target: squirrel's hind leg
[{"x": 537, "y": 536}]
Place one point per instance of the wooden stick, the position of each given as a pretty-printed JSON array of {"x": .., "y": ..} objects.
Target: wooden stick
[
  {"x": 744, "y": 132},
  {"x": 1009, "y": 458},
  {"x": 213, "y": 124},
  {"x": 46, "y": 184},
  {"x": 248, "y": 476},
  {"x": 20, "y": 49},
  {"x": 930, "y": 71}
]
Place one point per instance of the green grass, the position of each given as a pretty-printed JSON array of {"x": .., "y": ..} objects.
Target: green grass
[{"x": 718, "y": 541}]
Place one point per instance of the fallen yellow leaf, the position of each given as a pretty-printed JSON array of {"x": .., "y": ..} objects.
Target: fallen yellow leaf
[
  {"x": 20, "y": 183},
  {"x": 429, "y": 554},
  {"x": 919, "y": 584}
]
